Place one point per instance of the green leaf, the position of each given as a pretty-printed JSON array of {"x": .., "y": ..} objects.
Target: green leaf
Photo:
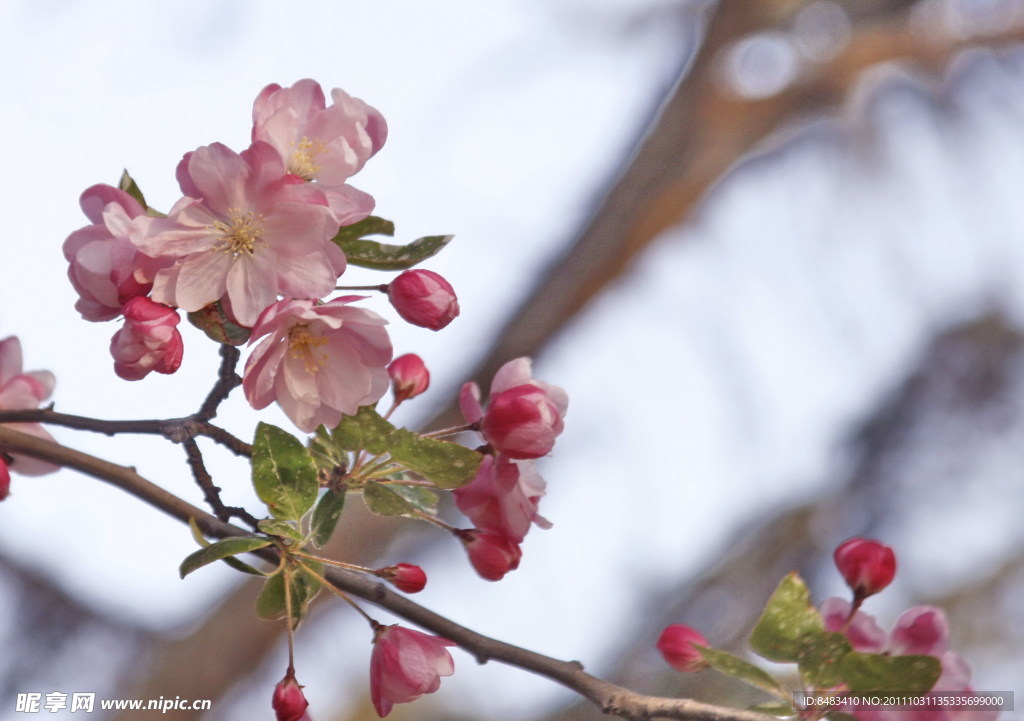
[
  {"x": 197, "y": 535},
  {"x": 371, "y": 225},
  {"x": 366, "y": 430},
  {"x": 821, "y": 657},
  {"x": 220, "y": 550},
  {"x": 213, "y": 321},
  {"x": 327, "y": 455},
  {"x": 127, "y": 184},
  {"x": 774, "y": 709},
  {"x": 325, "y": 516},
  {"x": 271, "y": 603},
  {"x": 420, "y": 498},
  {"x": 385, "y": 502},
  {"x": 871, "y": 674},
  {"x": 283, "y": 473},
  {"x": 727, "y": 663},
  {"x": 284, "y": 529},
  {"x": 383, "y": 256},
  {"x": 787, "y": 622},
  {"x": 445, "y": 464}
]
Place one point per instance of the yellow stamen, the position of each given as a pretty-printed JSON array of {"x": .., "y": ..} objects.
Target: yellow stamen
[
  {"x": 302, "y": 343},
  {"x": 301, "y": 162},
  {"x": 241, "y": 235}
]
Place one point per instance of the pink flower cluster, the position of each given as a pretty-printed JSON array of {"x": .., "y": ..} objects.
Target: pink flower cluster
[
  {"x": 254, "y": 232},
  {"x": 20, "y": 391},
  {"x": 521, "y": 422},
  {"x": 922, "y": 630}
]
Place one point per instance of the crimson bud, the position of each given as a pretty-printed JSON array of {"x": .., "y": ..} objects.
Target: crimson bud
[
  {"x": 404, "y": 576},
  {"x": 678, "y": 643},
  {"x": 424, "y": 298},
  {"x": 289, "y": 702},
  {"x": 409, "y": 377},
  {"x": 867, "y": 566}
]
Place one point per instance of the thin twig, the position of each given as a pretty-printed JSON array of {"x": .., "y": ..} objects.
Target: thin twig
[
  {"x": 612, "y": 699},
  {"x": 211, "y": 492}
]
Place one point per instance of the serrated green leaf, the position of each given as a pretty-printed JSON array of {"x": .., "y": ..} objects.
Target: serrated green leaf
[
  {"x": 727, "y": 663},
  {"x": 280, "y": 528},
  {"x": 774, "y": 709},
  {"x": 820, "y": 659},
  {"x": 872, "y": 674},
  {"x": 219, "y": 550},
  {"x": 127, "y": 184},
  {"x": 213, "y": 321},
  {"x": 446, "y": 464},
  {"x": 371, "y": 225},
  {"x": 787, "y": 622},
  {"x": 383, "y": 501},
  {"x": 283, "y": 473},
  {"x": 271, "y": 603},
  {"x": 366, "y": 430},
  {"x": 383, "y": 256},
  {"x": 325, "y": 516}
]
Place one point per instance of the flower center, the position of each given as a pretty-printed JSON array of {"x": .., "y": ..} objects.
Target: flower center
[
  {"x": 303, "y": 344},
  {"x": 301, "y": 162},
  {"x": 240, "y": 235}
]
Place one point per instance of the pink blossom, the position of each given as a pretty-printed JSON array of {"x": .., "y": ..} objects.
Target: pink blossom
[
  {"x": 867, "y": 565},
  {"x": 149, "y": 340},
  {"x": 503, "y": 497},
  {"x": 424, "y": 298},
  {"x": 5, "y": 479},
  {"x": 20, "y": 391},
  {"x": 318, "y": 362},
  {"x": 922, "y": 630},
  {"x": 491, "y": 553},
  {"x": 678, "y": 646},
  {"x": 323, "y": 144},
  {"x": 246, "y": 231},
  {"x": 524, "y": 415},
  {"x": 105, "y": 268},
  {"x": 406, "y": 664},
  {"x": 405, "y": 577},
  {"x": 288, "y": 701},
  {"x": 409, "y": 377}
]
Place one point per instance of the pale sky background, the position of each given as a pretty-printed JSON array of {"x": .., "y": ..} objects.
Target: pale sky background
[{"x": 714, "y": 383}]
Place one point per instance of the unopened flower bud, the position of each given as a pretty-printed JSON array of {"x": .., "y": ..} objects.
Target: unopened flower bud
[
  {"x": 867, "y": 566},
  {"x": 5, "y": 480},
  {"x": 409, "y": 377},
  {"x": 289, "y": 702},
  {"x": 492, "y": 554},
  {"x": 149, "y": 340},
  {"x": 424, "y": 298},
  {"x": 404, "y": 576},
  {"x": 677, "y": 645}
]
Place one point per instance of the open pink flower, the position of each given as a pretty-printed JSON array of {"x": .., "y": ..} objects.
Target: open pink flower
[
  {"x": 20, "y": 391},
  {"x": 503, "y": 497},
  {"x": 327, "y": 145},
  {"x": 406, "y": 664},
  {"x": 318, "y": 362},
  {"x": 149, "y": 340},
  {"x": 245, "y": 230},
  {"x": 105, "y": 268},
  {"x": 524, "y": 416}
]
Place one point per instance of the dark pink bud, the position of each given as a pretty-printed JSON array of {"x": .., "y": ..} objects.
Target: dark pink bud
[
  {"x": 677, "y": 644},
  {"x": 289, "y": 702},
  {"x": 5, "y": 480},
  {"x": 424, "y": 298},
  {"x": 868, "y": 566},
  {"x": 409, "y": 377},
  {"x": 522, "y": 422},
  {"x": 404, "y": 576},
  {"x": 492, "y": 554},
  {"x": 148, "y": 341}
]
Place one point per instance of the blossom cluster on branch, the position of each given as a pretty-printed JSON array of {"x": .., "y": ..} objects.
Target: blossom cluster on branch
[{"x": 252, "y": 253}]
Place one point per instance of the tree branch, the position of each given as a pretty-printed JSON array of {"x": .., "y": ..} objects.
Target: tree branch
[{"x": 612, "y": 699}]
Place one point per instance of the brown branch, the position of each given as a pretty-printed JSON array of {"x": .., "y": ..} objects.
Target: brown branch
[
  {"x": 227, "y": 380},
  {"x": 612, "y": 699}
]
